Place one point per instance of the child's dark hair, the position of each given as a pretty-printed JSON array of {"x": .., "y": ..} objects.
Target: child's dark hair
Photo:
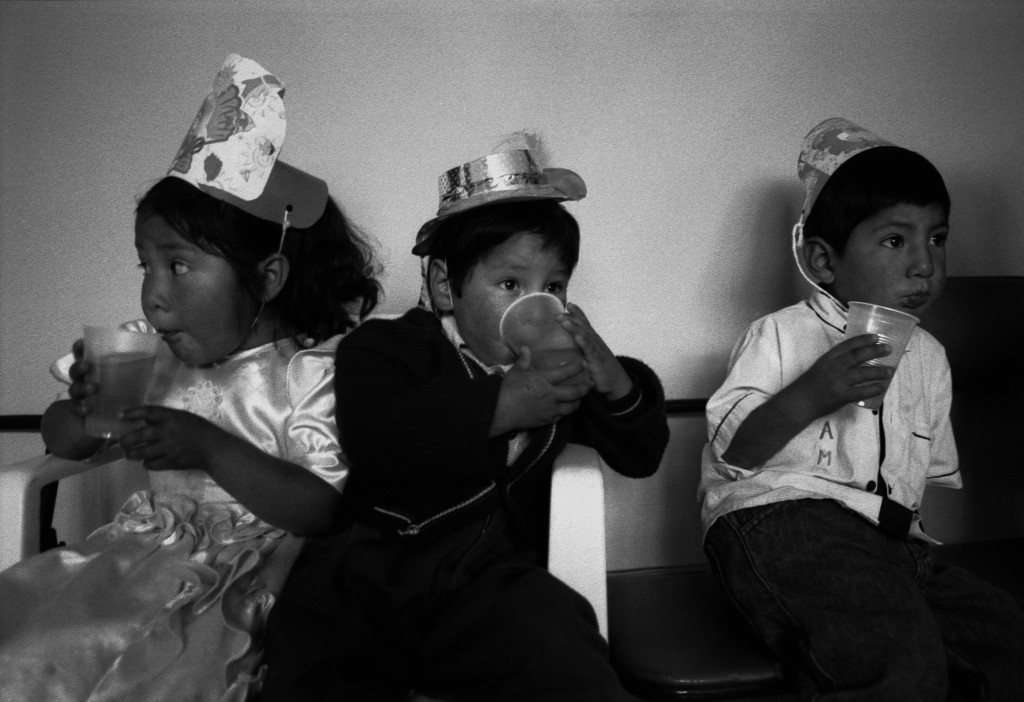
[
  {"x": 331, "y": 264},
  {"x": 465, "y": 239},
  {"x": 868, "y": 183}
]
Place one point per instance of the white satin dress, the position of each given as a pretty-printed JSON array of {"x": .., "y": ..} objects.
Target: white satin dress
[{"x": 169, "y": 601}]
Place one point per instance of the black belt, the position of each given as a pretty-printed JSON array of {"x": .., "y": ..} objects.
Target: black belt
[{"x": 895, "y": 519}]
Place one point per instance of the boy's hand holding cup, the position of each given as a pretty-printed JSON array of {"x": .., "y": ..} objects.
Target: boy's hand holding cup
[
  {"x": 892, "y": 327},
  {"x": 120, "y": 366},
  {"x": 532, "y": 322}
]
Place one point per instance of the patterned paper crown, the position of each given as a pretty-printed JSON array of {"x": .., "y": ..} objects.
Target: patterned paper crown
[
  {"x": 825, "y": 148},
  {"x": 506, "y": 176},
  {"x": 232, "y": 149}
]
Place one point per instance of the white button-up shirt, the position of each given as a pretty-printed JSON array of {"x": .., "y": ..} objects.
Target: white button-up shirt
[{"x": 838, "y": 455}]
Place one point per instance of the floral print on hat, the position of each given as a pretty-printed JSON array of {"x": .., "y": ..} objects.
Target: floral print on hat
[
  {"x": 825, "y": 148},
  {"x": 237, "y": 136}
]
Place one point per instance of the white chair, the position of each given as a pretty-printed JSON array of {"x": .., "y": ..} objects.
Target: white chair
[{"x": 576, "y": 541}]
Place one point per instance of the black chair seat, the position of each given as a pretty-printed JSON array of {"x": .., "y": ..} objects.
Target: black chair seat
[
  {"x": 674, "y": 635},
  {"x": 999, "y": 561}
]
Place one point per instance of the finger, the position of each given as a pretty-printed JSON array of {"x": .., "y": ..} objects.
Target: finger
[
  {"x": 157, "y": 463},
  {"x": 570, "y": 393},
  {"x": 863, "y": 354},
  {"x": 523, "y": 359},
  {"x": 79, "y": 391},
  {"x": 146, "y": 451},
  {"x": 863, "y": 392},
  {"x": 78, "y": 349},
  {"x": 562, "y": 372},
  {"x": 136, "y": 451},
  {"x": 79, "y": 369},
  {"x": 151, "y": 414},
  {"x": 856, "y": 342},
  {"x": 137, "y": 438},
  {"x": 566, "y": 408},
  {"x": 577, "y": 326},
  {"x": 871, "y": 374},
  {"x": 80, "y": 409},
  {"x": 583, "y": 378},
  {"x": 570, "y": 322},
  {"x": 578, "y": 313}
]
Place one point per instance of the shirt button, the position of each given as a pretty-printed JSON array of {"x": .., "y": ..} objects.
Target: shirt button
[{"x": 870, "y": 487}]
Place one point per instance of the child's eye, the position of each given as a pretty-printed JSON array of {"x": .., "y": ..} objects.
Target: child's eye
[
  {"x": 508, "y": 284},
  {"x": 939, "y": 240},
  {"x": 554, "y": 288},
  {"x": 893, "y": 242},
  {"x": 179, "y": 267}
]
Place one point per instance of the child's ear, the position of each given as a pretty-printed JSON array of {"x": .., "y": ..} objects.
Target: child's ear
[
  {"x": 439, "y": 286},
  {"x": 820, "y": 257},
  {"x": 274, "y": 271}
]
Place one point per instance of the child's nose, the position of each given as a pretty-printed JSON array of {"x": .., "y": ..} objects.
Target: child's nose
[
  {"x": 922, "y": 263},
  {"x": 154, "y": 294}
]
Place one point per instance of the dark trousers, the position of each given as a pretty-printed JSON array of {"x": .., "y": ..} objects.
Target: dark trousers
[
  {"x": 464, "y": 617},
  {"x": 863, "y": 615}
]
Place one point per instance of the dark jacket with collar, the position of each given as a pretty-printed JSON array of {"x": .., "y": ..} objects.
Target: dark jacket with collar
[{"x": 415, "y": 418}]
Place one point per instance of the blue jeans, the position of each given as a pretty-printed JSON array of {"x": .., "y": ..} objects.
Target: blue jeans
[{"x": 862, "y": 615}]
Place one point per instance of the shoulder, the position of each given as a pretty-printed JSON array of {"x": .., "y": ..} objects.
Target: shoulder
[
  {"x": 924, "y": 340},
  {"x": 412, "y": 330},
  {"x": 310, "y": 368},
  {"x": 798, "y": 321},
  {"x": 931, "y": 354}
]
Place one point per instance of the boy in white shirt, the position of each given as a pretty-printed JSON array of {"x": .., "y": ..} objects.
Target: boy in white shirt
[{"x": 810, "y": 501}]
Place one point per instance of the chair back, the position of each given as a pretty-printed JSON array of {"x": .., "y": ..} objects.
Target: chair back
[{"x": 980, "y": 322}]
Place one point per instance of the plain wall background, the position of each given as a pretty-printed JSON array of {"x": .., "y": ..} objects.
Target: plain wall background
[{"x": 684, "y": 118}]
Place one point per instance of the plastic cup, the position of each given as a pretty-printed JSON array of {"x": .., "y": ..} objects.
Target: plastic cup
[
  {"x": 532, "y": 321},
  {"x": 892, "y": 327},
  {"x": 122, "y": 368}
]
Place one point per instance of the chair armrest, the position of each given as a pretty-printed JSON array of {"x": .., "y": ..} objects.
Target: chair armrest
[
  {"x": 576, "y": 545},
  {"x": 20, "y": 486}
]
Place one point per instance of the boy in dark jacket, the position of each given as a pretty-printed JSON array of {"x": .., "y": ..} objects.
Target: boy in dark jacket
[{"x": 439, "y": 584}]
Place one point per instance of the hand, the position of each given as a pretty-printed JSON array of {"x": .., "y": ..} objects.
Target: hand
[
  {"x": 172, "y": 439},
  {"x": 81, "y": 387},
  {"x": 607, "y": 374},
  {"x": 533, "y": 398},
  {"x": 840, "y": 376}
]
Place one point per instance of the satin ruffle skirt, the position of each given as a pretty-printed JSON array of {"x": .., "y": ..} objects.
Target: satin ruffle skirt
[{"x": 168, "y": 602}]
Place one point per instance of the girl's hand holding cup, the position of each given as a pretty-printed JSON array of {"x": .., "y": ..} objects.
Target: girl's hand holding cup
[
  {"x": 81, "y": 387},
  {"x": 111, "y": 374}
]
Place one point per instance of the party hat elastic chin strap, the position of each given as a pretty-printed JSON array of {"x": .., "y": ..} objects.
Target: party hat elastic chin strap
[
  {"x": 285, "y": 225},
  {"x": 796, "y": 246}
]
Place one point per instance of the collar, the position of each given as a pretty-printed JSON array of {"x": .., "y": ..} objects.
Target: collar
[
  {"x": 451, "y": 330},
  {"x": 829, "y": 310}
]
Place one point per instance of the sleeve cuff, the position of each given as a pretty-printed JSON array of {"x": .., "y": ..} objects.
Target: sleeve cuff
[{"x": 628, "y": 403}]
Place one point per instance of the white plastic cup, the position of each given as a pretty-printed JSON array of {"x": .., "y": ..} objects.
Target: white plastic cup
[
  {"x": 122, "y": 369},
  {"x": 892, "y": 327},
  {"x": 532, "y": 321}
]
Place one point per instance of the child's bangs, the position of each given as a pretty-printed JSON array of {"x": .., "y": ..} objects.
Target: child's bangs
[
  {"x": 214, "y": 226},
  {"x": 548, "y": 220},
  {"x": 870, "y": 182}
]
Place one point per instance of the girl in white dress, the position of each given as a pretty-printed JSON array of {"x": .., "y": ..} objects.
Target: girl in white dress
[{"x": 251, "y": 274}]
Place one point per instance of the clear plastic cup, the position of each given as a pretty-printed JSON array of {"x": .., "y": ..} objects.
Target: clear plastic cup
[
  {"x": 892, "y": 327},
  {"x": 122, "y": 368},
  {"x": 532, "y": 321}
]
